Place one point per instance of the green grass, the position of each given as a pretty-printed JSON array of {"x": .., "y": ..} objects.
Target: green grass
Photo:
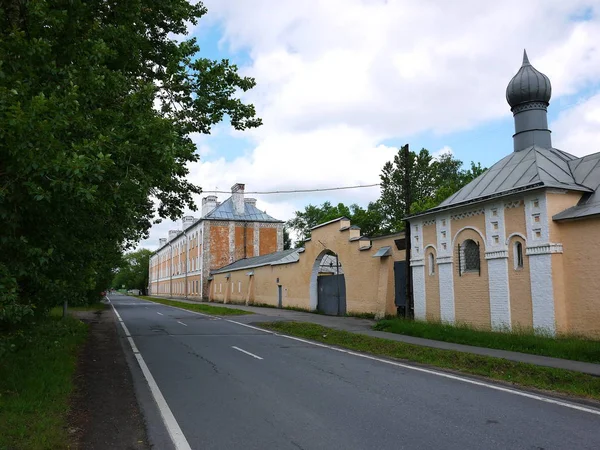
[
  {"x": 198, "y": 307},
  {"x": 526, "y": 375},
  {"x": 98, "y": 306},
  {"x": 361, "y": 315},
  {"x": 36, "y": 380},
  {"x": 523, "y": 341}
]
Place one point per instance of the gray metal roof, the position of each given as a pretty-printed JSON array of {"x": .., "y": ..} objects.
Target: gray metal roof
[
  {"x": 271, "y": 259},
  {"x": 383, "y": 251},
  {"x": 586, "y": 171},
  {"x": 528, "y": 168},
  {"x": 225, "y": 211},
  {"x": 528, "y": 85}
]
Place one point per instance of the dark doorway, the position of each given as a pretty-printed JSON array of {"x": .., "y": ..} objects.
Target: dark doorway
[
  {"x": 400, "y": 286},
  {"x": 280, "y": 296}
]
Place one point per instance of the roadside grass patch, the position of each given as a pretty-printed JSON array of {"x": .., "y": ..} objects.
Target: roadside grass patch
[
  {"x": 524, "y": 341},
  {"x": 98, "y": 306},
  {"x": 36, "y": 380},
  {"x": 526, "y": 375},
  {"x": 198, "y": 307}
]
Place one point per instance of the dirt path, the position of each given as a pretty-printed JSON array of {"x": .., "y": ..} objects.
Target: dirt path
[{"x": 105, "y": 413}]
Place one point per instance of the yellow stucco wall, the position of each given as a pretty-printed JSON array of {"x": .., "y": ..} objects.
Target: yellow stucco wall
[
  {"x": 558, "y": 202},
  {"x": 519, "y": 283},
  {"x": 369, "y": 280},
  {"x": 471, "y": 289},
  {"x": 581, "y": 246},
  {"x": 514, "y": 220}
]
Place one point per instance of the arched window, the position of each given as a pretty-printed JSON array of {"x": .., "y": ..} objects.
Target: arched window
[
  {"x": 518, "y": 253},
  {"x": 470, "y": 261},
  {"x": 431, "y": 261}
]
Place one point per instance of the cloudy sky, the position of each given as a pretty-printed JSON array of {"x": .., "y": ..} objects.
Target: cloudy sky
[{"x": 341, "y": 84}]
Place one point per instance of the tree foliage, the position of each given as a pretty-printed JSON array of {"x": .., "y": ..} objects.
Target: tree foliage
[
  {"x": 133, "y": 272},
  {"x": 97, "y": 101},
  {"x": 367, "y": 219},
  {"x": 432, "y": 180}
]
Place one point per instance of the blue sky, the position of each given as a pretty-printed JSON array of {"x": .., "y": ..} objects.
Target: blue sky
[{"x": 342, "y": 84}]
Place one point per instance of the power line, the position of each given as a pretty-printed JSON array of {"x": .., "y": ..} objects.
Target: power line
[{"x": 294, "y": 191}]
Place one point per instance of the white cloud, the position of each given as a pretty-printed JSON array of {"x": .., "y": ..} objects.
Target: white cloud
[
  {"x": 337, "y": 78},
  {"x": 577, "y": 130}
]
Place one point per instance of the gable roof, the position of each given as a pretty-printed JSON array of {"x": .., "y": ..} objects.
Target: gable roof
[
  {"x": 283, "y": 257},
  {"x": 225, "y": 211},
  {"x": 533, "y": 167},
  {"x": 586, "y": 171}
]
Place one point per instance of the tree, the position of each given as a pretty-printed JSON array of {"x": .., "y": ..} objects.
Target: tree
[
  {"x": 287, "y": 240},
  {"x": 368, "y": 220},
  {"x": 432, "y": 181},
  {"x": 133, "y": 272},
  {"x": 97, "y": 102}
]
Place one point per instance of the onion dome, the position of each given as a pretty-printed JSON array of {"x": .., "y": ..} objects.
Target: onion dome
[{"x": 528, "y": 85}]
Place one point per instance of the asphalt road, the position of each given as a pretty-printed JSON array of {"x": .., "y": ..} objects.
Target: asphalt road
[{"x": 301, "y": 396}]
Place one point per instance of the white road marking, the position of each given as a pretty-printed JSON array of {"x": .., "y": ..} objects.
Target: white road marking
[
  {"x": 182, "y": 323},
  {"x": 159, "y": 313},
  {"x": 420, "y": 369},
  {"x": 247, "y": 353},
  {"x": 177, "y": 436},
  {"x": 434, "y": 372}
]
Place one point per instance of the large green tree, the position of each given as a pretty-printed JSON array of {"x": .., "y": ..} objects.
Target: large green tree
[
  {"x": 97, "y": 102},
  {"x": 432, "y": 180},
  {"x": 133, "y": 271}
]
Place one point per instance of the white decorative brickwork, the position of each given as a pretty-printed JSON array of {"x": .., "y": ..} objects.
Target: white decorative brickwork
[
  {"x": 499, "y": 293},
  {"x": 444, "y": 242},
  {"x": 540, "y": 262},
  {"x": 231, "y": 241},
  {"x": 417, "y": 262},
  {"x": 466, "y": 214},
  {"x": 542, "y": 293},
  {"x": 428, "y": 222},
  {"x": 416, "y": 242},
  {"x": 498, "y": 254},
  {"x": 256, "y": 239},
  {"x": 418, "y": 273},
  {"x": 494, "y": 227},
  {"x": 512, "y": 204},
  {"x": 544, "y": 249},
  {"x": 446, "y": 290}
]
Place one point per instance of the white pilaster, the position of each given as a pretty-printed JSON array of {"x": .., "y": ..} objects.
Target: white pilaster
[
  {"x": 231, "y": 241},
  {"x": 417, "y": 263},
  {"x": 445, "y": 267},
  {"x": 497, "y": 261},
  {"x": 539, "y": 249},
  {"x": 256, "y": 239}
]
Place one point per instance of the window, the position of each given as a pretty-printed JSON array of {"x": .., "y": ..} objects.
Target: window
[
  {"x": 470, "y": 256},
  {"x": 239, "y": 286},
  {"x": 220, "y": 287},
  {"x": 431, "y": 261},
  {"x": 518, "y": 255}
]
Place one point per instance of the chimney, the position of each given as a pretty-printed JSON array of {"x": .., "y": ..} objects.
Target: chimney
[
  {"x": 188, "y": 221},
  {"x": 250, "y": 201},
  {"x": 173, "y": 234},
  {"x": 162, "y": 241},
  {"x": 208, "y": 204},
  {"x": 237, "y": 196}
]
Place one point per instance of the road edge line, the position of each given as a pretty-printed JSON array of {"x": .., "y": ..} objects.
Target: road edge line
[
  {"x": 434, "y": 372},
  {"x": 177, "y": 437}
]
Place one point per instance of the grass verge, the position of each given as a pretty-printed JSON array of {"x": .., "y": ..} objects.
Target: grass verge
[
  {"x": 198, "y": 307},
  {"x": 526, "y": 375},
  {"x": 36, "y": 380},
  {"x": 523, "y": 341}
]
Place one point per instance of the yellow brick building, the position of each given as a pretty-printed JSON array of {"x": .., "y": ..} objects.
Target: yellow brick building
[{"x": 518, "y": 246}]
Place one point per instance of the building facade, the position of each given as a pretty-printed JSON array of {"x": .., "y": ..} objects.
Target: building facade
[
  {"x": 517, "y": 248},
  {"x": 338, "y": 271},
  {"x": 225, "y": 232}
]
